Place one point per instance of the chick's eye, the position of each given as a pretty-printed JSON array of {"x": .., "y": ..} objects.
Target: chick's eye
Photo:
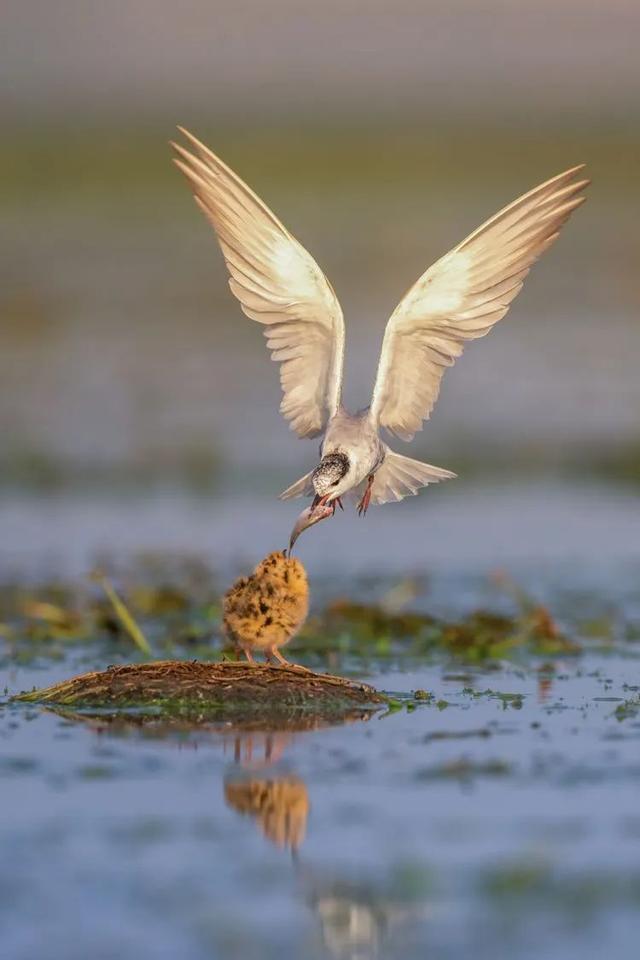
[{"x": 335, "y": 483}]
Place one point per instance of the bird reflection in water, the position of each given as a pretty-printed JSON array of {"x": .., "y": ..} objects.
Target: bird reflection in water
[
  {"x": 279, "y": 803},
  {"x": 356, "y": 918},
  {"x": 280, "y": 807}
]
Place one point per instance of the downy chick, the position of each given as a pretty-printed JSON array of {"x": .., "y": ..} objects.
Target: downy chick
[{"x": 265, "y": 610}]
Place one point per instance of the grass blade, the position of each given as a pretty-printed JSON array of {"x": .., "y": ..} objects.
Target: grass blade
[{"x": 123, "y": 614}]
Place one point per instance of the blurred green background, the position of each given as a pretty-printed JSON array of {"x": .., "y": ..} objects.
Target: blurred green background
[{"x": 381, "y": 134}]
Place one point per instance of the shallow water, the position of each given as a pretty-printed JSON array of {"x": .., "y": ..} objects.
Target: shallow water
[
  {"x": 499, "y": 817},
  {"x": 459, "y": 525}
]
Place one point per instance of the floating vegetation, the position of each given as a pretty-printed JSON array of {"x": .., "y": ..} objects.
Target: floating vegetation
[
  {"x": 513, "y": 700},
  {"x": 171, "y": 607},
  {"x": 521, "y": 885},
  {"x": 464, "y": 769},
  {"x": 628, "y": 710},
  {"x": 481, "y": 734},
  {"x": 175, "y": 611},
  {"x": 179, "y": 688},
  {"x": 482, "y": 635}
]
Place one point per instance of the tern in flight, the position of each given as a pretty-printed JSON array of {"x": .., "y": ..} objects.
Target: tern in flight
[{"x": 459, "y": 298}]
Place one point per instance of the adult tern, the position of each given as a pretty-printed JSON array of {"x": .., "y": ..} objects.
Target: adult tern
[{"x": 459, "y": 298}]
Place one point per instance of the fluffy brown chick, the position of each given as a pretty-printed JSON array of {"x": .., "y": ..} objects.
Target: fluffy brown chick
[{"x": 265, "y": 610}]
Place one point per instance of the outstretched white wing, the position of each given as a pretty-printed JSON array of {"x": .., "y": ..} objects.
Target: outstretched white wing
[
  {"x": 460, "y": 298},
  {"x": 278, "y": 284}
]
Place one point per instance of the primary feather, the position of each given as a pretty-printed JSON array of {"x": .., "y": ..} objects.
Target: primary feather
[
  {"x": 278, "y": 284},
  {"x": 460, "y": 298}
]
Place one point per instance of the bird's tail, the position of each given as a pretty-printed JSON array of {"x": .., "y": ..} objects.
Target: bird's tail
[
  {"x": 400, "y": 477},
  {"x": 301, "y": 488}
]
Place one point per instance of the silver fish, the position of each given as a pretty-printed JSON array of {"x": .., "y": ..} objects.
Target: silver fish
[{"x": 310, "y": 516}]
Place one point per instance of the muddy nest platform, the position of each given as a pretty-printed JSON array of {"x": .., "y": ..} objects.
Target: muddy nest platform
[{"x": 191, "y": 688}]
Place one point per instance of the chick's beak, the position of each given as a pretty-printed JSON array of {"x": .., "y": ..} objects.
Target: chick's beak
[{"x": 309, "y": 516}]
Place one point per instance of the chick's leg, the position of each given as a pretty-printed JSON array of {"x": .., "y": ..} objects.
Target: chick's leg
[
  {"x": 286, "y": 663},
  {"x": 249, "y": 656},
  {"x": 274, "y": 652}
]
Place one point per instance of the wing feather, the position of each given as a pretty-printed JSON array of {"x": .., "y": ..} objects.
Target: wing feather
[
  {"x": 461, "y": 297},
  {"x": 400, "y": 477},
  {"x": 278, "y": 285}
]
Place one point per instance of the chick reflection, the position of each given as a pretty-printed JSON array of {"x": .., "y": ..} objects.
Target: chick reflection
[{"x": 279, "y": 805}]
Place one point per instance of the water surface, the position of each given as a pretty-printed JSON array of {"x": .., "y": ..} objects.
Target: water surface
[{"x": 499, "y": 817}]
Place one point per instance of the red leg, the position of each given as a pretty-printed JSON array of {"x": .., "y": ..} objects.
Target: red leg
[{"x": 363, "y": 506}]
